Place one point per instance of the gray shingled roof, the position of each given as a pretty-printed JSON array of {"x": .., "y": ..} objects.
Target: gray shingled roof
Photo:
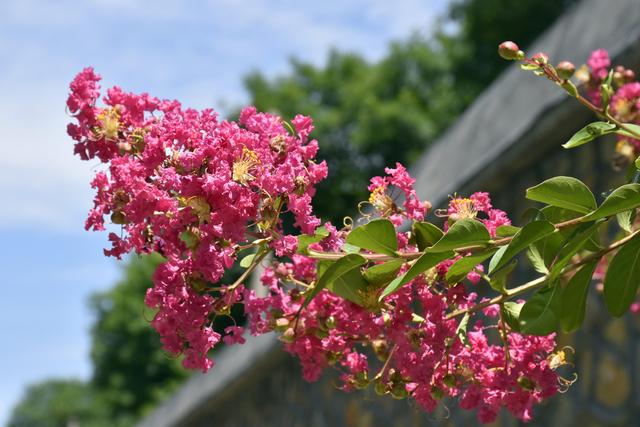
[{"x": 506, "y": 121}]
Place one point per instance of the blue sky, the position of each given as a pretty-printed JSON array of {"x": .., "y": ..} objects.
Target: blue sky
[{"x": 194, "y": 51}]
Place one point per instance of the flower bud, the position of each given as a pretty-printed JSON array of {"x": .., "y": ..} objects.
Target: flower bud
[
  {"x": 320, "y": 334},
  {"x": 118, "y": 218},
  {"x": 618, "y": 78},
  {"x": 449, "y": 380},
  {"x": 282, "y": 324},
  {"x": 629, "y": 76},
  {"x": 437, "y": 393},
  {"x": 510, "y": 51},
  {"x": 398, "y": 391},
  {"x": 380, "y": 388},
  {"x": 526, "y": 383},
  {"x": 288, "y": 336},
  {"x": 361, "y": 381},
  {"x": 124, "y": 147},
  {"x": 565, "y": 70},
  {"x": 541, "y": 58},
  {"x": 330, "y": 323}
]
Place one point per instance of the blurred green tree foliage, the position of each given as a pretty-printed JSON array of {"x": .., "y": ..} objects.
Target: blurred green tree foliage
[
  {"x": 371, "y": 115},
  {"x": 58, "y": 403},
  {"x": 131, "y": 372}
]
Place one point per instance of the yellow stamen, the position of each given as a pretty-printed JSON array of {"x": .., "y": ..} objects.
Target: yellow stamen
[
  {"x": 465, "y": 208},
  {"x": 242, "y": 167},
  {"x": 380, "y": 199},
  {"x": 109, "y": 120}
]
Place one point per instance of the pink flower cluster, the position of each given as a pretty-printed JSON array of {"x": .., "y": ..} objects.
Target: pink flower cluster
[
  {"x": 625, "y": 101},
  {"x": 187, "y": 185},
  {"x": 401, "y": 351},
  {"x": 200, "y": 190},
  {"x": 382, "y": 196}
]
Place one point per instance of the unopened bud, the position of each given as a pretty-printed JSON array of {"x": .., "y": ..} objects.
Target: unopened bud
[
  {"x": 380, "y": 388},
  {"x": 510, "y": 51},
  {"x": 565, "y": 70},
  {"x": 618, "y": 78},
  {"x": 437, "y": 393},
  {"x": 118, "y": 218},
  {"x": 289, "y": 335},
  {"x": 541, "y": 58},
  {"x": 398, "y": 391},
  {"x": 330, "y": 323},
  {"x": 320, "y": 334},
  {"x": 449, "y": 380},
  {"x": 629, "y": 76},
  {"x": 282, "y": 324},
  {"x": 526, "y": 383}
]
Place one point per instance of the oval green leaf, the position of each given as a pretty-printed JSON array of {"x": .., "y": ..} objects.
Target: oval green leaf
[
  {"x": 422, "y": 264},
  {"x": 574, "y": 297},
  {"x": 339, "y": 268},
  {"x": 565, "y": 192},
  {"x": 382, "y": 274},
  {"x": 378, "y": 236},
  {"x": 622, "y": 278},
  {"x": 589, "y": 133},
  {"x": 426, "y": 234},
  {"x": 620, "y": 200},
  {"x": 529, "y": 234},
  {"x": 538, "y": 316},
  {"x": 464, "y": 265},
  {"x": 463, "y": 233}
]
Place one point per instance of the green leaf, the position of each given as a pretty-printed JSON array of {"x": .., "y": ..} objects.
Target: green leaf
[
  {"x": 565, "y": 192},
  {"x": 635, "y": 128},
  {"x": 190, "y": 239},
  {"x": 589, "y": 133},
  {"x": 625, "y": 219},
  {"x": 422, "y": 264},
  {"x": 620, "y": 200},
  {"x": 304, "y": 240},
  {"x": 536, "y": 259},
  {"x": 529, "y": 234},
  {"x": 538, "y": 315},
  {"x": 496, "y": 258},
  {"x": 637, "y": 163},
  {"x": 382, "y": 274},
  {"x": 378, "y": 236},
  {"x": 506, "y": 230},
  {"x": 339, "y": 268},
  {"x": 622, "y": 278},
  {"x": 461, "y": 330},
  {"x": 426, "y": 234},
  {"x": 246, "y": 261},
  {"x": 574, "y": 297},
  {"x": 464, "y": 265},
  {"x": 350, "y": 249},
  {"x": 463, "y": 233},
  {"x": 350, "y": 286},
  {"x": 542, "y": 253},
  {"x": 499, "y": 280},
  {"x": 572, "y": 247},
  {"x": 511, "y": 314}
]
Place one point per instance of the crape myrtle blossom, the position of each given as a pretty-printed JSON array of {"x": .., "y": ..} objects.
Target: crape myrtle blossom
[
  {"x": 624, "y": 103},
  {"x": 200, "y": 191},
  {"x": 186, "y": 184}
]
